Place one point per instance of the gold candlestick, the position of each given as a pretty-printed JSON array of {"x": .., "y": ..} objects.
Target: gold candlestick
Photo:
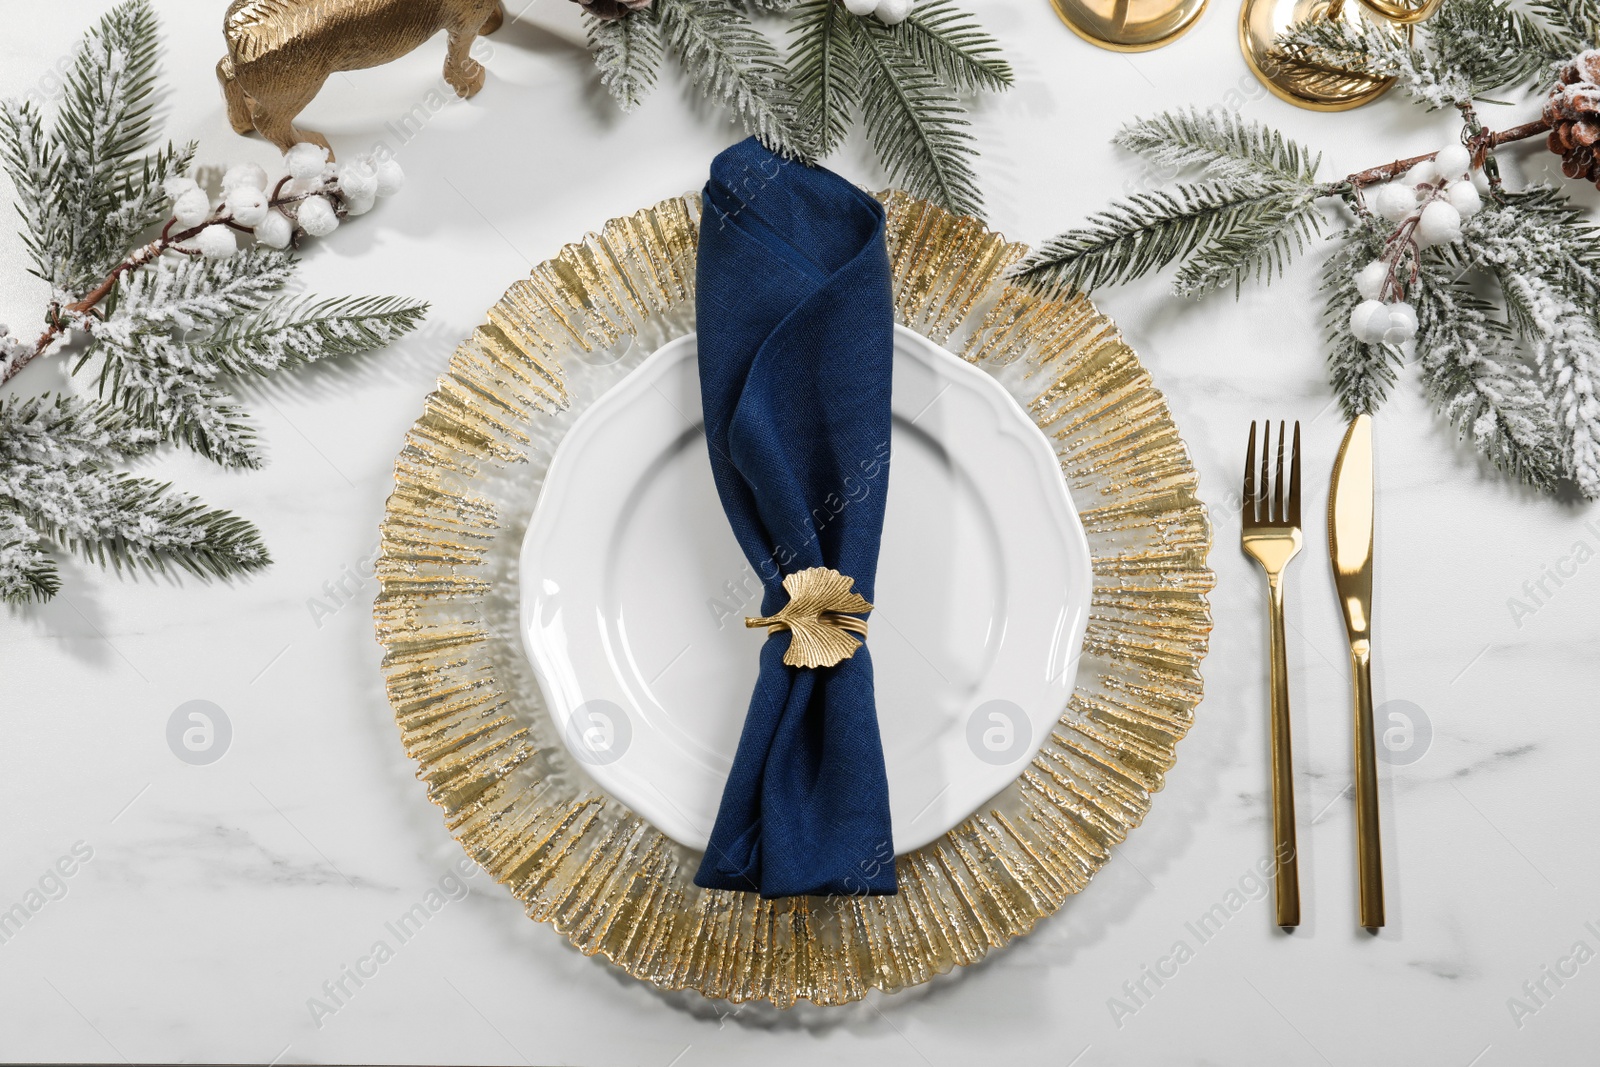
[
  {"x": 1261, "y": 22},
  {"x": 1129, "y": 25}
]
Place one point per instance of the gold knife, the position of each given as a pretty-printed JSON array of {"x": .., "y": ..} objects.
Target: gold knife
[{"x": 1350, "y": 508}]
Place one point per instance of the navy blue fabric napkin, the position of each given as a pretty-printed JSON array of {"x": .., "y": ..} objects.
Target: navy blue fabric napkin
[{"x": 796, "y": 337}]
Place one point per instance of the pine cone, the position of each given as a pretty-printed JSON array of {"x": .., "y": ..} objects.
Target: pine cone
[
  {"x": 1573, "y": 112},
  {"x": 611, "y": 10}
]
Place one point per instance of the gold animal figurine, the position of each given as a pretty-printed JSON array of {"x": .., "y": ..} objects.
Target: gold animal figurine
[{"x": 281, "y": 51}]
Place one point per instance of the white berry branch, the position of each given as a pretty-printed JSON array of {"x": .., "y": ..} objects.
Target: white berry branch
[{"x": 309, "y": 200}]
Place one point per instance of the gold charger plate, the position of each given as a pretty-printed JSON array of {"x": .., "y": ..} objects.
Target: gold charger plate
[{"x": 469, "y": 709}]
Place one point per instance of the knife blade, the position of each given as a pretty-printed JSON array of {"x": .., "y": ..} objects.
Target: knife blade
[{"x": 1351, "y": 505}]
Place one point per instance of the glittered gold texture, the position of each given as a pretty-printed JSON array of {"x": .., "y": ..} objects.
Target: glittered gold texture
[{"x": 471, "y": 715}]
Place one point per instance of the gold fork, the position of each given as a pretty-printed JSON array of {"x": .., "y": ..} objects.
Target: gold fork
[{"x": 1270, "y": 534}]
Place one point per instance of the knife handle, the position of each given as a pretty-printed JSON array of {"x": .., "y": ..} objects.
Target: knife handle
[
  {"x": 1369, "y": 845},
  {"x": 1283, "y": 836}
]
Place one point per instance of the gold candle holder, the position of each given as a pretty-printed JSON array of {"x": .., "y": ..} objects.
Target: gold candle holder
[
  {"x": 1262, "y": 22},
  {"x": 1129, "y": 25}
]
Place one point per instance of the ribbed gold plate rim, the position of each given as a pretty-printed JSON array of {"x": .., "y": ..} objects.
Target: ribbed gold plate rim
[{"x": 471, "y": 715}]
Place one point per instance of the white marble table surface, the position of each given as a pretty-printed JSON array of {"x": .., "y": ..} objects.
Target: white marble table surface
[{"x": 207, "y": 905}]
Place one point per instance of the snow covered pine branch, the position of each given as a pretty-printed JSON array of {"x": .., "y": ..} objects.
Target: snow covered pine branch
[
  {"x": 901, "y": 69},
  {"x": 161, "y": 308},
  {"x": 1421, "y": 241}
]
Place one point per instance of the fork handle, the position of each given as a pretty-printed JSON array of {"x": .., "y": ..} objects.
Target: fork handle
[
  {"x": 1285, "y": 854},
  {"x": 1369, "y": 845}
]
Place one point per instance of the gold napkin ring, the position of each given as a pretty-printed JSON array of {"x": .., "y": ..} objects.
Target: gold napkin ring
[{"x": 822, "y": 613}]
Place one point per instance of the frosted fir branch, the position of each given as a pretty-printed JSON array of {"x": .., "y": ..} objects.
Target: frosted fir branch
[
  {"x": 1566, "y": 342},
  {"x": 734, "y": 64},
  {"x": 105, "y": 121},
  {"x": 1479, "y": 382},
  {"x": 1538, "y": 231},
  {"x": 1221, "y": 146},
  {"x": 166, "y": 387},
  {"x": 57, "y": 485},
  {"x": 174, "y": 385},
  {"x": 291, "y": 334},
  {"x": 1467, "y": 49},
  {"x": 627, "y": 52},
  {"x": 1149, "y": 231},
  {"x": 825, "y": 59},
  {"x": 1324, "y": 54},
  {"x": 951, "y": 44},
  {"x": 1571, "y": 26},
  {"x": 914, "y": 123},
  {"x": 901, "y": 80},
  {"x": 1256, "y": 243},
  {"x": 1360, "y": 372},
  {"x": 1249, "y": 215},
  {"x": 1411, "y": 218},
  {"x": 191, "y": 293},
  {"x": 62, "y": 431},
  {"x": 13, "y": 352},
  {"x": 1489, "y": 44},
  {"x": 1543, "y": 251},
  {"x": 116, "y": 520},
  {"x": 33, "y": 161},
  {"x": 27, "y": 573},
  {"x": 141, "y": 203}
]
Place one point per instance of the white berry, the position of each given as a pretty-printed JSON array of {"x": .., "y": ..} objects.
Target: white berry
[
  {"x": 216, "y": 242},
  {"x": 275, "y": 231},
  {"x": 177, "y": 185},
  {"x": 1370, "y": 279},
  {"x": 1402, "y": 325},
  {"x": 1464, "y": 197},
  {"x": 1426, "y": 171},
  {"x": 305, "y": 161},
  {"x": 192, "y": 208},
  {"x": 1368, "y": 321},
  {"x": 1453, "y": 161},
  {"x": 242, "y": 175},
  {"x": 359, "y": 205},
  {"x": 390, "y": 178},
  {"x": 317, "y": 216},
  {"x": 247, "y": 204},
  {"x": 358, "y": 180},
  {"x": 1440, "y": 224},
  {"x": 892, "y": 12},
  {"x": 860, "y": 7},
  {"x": 1395, "y": 201}
]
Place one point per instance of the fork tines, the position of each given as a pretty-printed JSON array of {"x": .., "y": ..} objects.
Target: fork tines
[{"x": 1266, "y": 508}]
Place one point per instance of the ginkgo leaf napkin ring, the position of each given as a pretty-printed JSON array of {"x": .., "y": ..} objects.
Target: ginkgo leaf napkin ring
[{"x": 823, "y": 611}]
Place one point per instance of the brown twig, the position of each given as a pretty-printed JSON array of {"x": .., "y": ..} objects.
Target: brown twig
[
  {"x": 1486, "y": 142},
  {"x": 59, "y": 325}
]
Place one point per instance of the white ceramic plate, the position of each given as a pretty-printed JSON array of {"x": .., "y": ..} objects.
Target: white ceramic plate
[{"x": 634, "y": 594}]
